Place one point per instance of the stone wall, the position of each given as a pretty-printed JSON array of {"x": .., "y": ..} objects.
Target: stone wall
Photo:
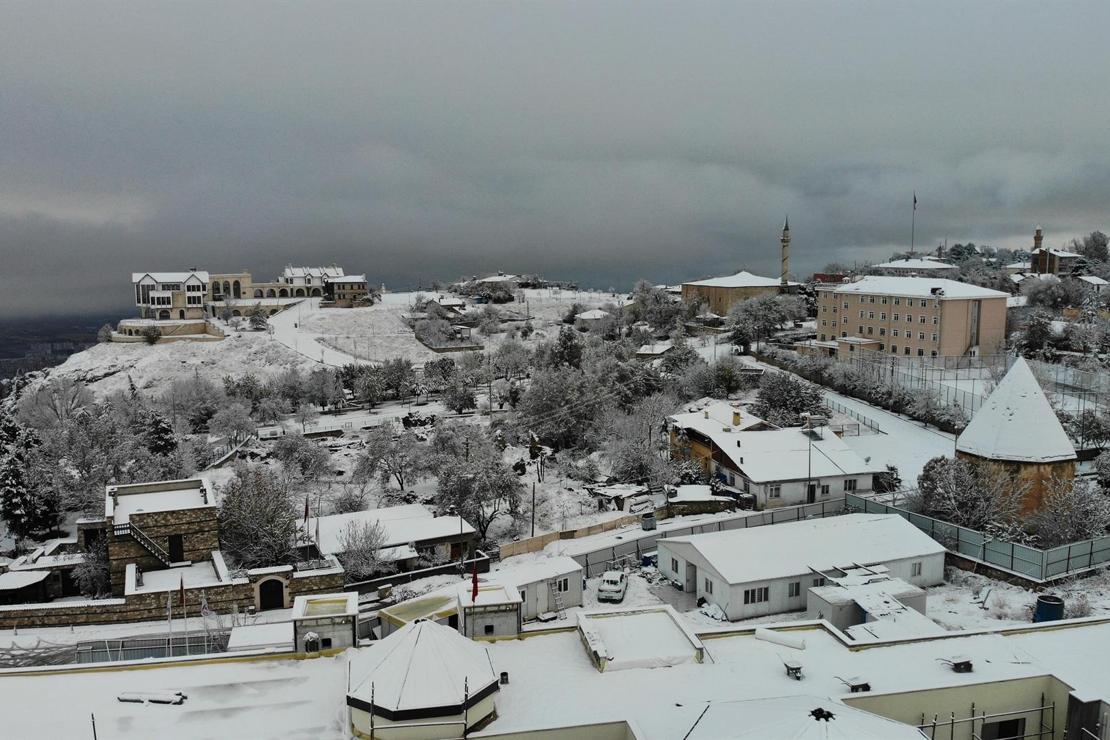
[
  {"x": 152, "y": 606},
  {"x": 198, "y": 527}
]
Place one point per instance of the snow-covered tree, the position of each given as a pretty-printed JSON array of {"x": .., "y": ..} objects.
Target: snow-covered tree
[
  {"x": 302, "y": 457},
  {"x": 233, "y": 421},
  {"x": 360, "y": 545},
  {"x": 258, "y": 519},
  {"x": 567, "y": 351},
  {"x": 27, "y": 510},
  {"x": 104, "y": 334},
  {"x": 401, "y": 459},
  {"x": 784, "y": 397},
  {"x": 974, "y": 495},
  {"x": 1071, "y": 511},
  {"x": 481, "y": 490},
  {"x": 92, "y": 574},
  {"x": 158, "y": 433}
]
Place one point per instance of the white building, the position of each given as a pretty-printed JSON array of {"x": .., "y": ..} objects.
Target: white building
[
  {"x": 309, "y": 277},
  {"x": 169, "y": 296},
  {"x": 491, "y": 612},
  {"x": 544, "y": 583},
  {"x": 425, "y": 681},
  {"x": 780, "y": 467},
  {"x": 410, "y": 531},
  {"x": 769, "y": 570},
  {"x": 325, "y": 621}
]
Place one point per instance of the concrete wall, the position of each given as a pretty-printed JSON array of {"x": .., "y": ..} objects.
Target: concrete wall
[
  {"x": 504, "y": 621},
  {"x": 341, "y": 630},
  {"x": 990, "y": 697}
]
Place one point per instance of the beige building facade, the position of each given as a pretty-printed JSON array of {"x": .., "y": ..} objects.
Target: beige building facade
[{"x": 913, "y": 316}]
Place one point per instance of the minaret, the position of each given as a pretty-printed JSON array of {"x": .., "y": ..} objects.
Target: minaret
[
  {"x": 1038, "y": 238},
  {"x": 785, "y": 240}
]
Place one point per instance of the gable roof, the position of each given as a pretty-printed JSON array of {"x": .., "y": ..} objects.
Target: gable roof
[
  {"x": 1016, "y": 423},
  {"x": 794, "y": 548},
  {"x": 171, "y": 277},
  {"x": 401, "y": 525},
  {"x": 423, "y": 666},
  {"x": 916, "y": 264},
  {"x": 742, "y": 279}
]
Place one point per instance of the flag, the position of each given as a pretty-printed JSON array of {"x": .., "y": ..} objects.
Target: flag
[
  {"x": 169, "y": 605},
  {"x": 306, "y": 511},
  {"x": 182, "y": 591},
  {"x": 915, "y": 200},
  {"x": 474, "y": 584}
]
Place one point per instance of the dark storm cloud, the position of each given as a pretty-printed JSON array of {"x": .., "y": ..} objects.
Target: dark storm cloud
[{"x": 599, "y": 142}]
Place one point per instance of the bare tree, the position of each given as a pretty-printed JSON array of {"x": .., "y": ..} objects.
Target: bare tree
[
  {"x": 401, "y": 460},
  {"x": 360, "y": 545},
  {"x": 54, "y": 401}
]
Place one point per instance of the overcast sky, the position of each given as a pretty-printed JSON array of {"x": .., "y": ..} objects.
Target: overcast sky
[{"x": 600, "y": 142}]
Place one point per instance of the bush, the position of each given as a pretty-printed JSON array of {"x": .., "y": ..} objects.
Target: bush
[{"x": 151, "y": 334}]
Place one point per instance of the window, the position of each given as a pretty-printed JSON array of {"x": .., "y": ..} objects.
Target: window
[
  {"x": 824, "y": 309},
  {"x": 935, "y": 321},
  {"x": 897, "y": 302},
  {"x": 850, "y": 483},
  {"x": 920, "y": 335},
  {"x": 882, "y": 331},
  {"x": 822, "y": 337},
  {"x": 708, "y": 586},
  {"x": 562, "y": 585},
  {"x": 674, "y": 565},
  {"x": 934, "y": 337},
  {"x": 1006, "y": 729},
  {"x": 824, "y": 489},
  {"x": 894, "y": 332},
  {"x": 923, "y": 303},
  {"x": 870, "y": 330},
  {"x": 909, "y": 318},
  {"x": 818, "y": 582},
  {"x": 325, "y": 643},
  {"x": 488, "y": 629},
  {"x": 870, "y": 299},
  {"x": 774, "y": 491},
  {"x": 915, "y": 569},
  {"x": 870, "y": 314},
  {"x": 933, "y": 353},
  {"x": 894, "y": 349},
  {"x": 920, "y": 352},
  {"x": 756, "y": 595},
  {"x": 823, "y": 322},
  {"x": 861, "y": 314},
  {"x": 845, "y": 304},
  {"x": 795, "y": 589},
  {"x": 894, "y": 317},
  {"x": 923, "y": 317},
  {"x": 861, "y": 328},
  {"x": 881, "y": 346},
  {"x": 907, "y": 351},
  {"x": 845, "y": 319},
  {"x": 882, "y": 315},
  {"x": 883, "y": 301}
]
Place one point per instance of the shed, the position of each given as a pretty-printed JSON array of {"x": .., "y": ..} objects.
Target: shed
[
  {"x": 328, "y": 620},
  {"x": 423, "y": 682},
  {"x": 765, "y": 570},
  {"x": 495, "y": 611},
  {"x": 539, "y": 578}
]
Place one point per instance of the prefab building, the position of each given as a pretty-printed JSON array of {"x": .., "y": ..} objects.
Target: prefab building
[
  {"x": 545, "y": 584},
  {"x": 325, "y": 621},
  {"x": 769, "y": 570},
  {"x": 489, "y": 612}
]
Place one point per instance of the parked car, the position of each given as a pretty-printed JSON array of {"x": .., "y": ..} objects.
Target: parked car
[{"x": 612, "y": 587}]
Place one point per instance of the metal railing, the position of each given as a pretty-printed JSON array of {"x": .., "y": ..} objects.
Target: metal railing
[
  {"x": 129, "y": 529},
  {"x": 842, "y": 409}
]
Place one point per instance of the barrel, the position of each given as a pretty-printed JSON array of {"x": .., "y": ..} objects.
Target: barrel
[{"x": 1049, "y": 608}]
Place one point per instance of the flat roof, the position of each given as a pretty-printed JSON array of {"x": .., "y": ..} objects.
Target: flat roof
[
  {"x": 915, "y": 264},
  {"x": 916, "y": 287},
  {"x": 343, "y": 604},
  {"x": 522, "y": 570},
  {"x": 195, "y": 575},
  {"x": 261, "y": 636},
  {"x": 15, "y": 580},
  {"x": 490, "y": 593},
  {"x": 120, "y": 502},
  {"x": 646, "y": 637},
  {"x": 796, "y": 548}
]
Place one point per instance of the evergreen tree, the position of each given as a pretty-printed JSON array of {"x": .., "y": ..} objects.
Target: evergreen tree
[
  {"x": 25, "y": 509},
  {"x": 158, "y": 433}
]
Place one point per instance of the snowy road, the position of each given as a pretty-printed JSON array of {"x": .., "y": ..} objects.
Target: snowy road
[
  {"x": 903, "y": 442},
  {"x": 287, "y": 329}
]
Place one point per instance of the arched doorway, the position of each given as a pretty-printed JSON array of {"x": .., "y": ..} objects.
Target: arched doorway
[
  {"x": 271, "y": 594},
  {"x": 316, "y": 292},
  {"x": 271, "y": 294},
  {"x": 164, "y": 315},
  {"x": 227, "y": 290},
  {"x": 236, "y": 312},
  {"x": 283, "y": 293},
  {"x": 181, "y": 313},
  {"x": 299, "y": 293},
  {"x": 257, "y": 292}
]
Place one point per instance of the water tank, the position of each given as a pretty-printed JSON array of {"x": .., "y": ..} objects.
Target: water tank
[
  {"x": 1049, "y": 608},
  {"x": 647, "y": 521}
]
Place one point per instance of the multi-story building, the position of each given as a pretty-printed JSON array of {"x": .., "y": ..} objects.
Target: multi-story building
[
  {"x": 915, "y": 316},
  {"x": 1050, "y": 261},
  {"x": 168, "y": 296},
  {"x": 345, "y": 291},
  {"x": 721, "y": 293},
  {"x": 310, "y": 279}
]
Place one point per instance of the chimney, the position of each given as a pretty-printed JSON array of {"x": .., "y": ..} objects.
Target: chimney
[
  {"x": 785, "y": 240},
  {"x": 1038, "y": 237},
  {"x": 735, "y": 417},
  {"x": 706, "y": 413}
]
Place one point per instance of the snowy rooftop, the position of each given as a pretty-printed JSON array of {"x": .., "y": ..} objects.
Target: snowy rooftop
[
  {"x": 261, "y": 636},
  {"x": 196, "y": 575},
  {"x": 345, "y": 279},
  {"x": 521, "y": 570},
  {"x": 423, "y": 665},
  {"x": 402, "y": 525},
  {"x": 644, "y": 637},
  {"x": 796, "y": 548},
  {"x": 1056, "y": 252},
  {"x": 707, "y": 414},
  {"x": 14, "y": 580},
  {"x": 1016, "y": 423},
  {"x": 742, "y": 279},
  {"x": 300, "y": 272},
  {"x": 592, "y": 315},
  {"x": 655, "y": 348},
  {"x": 120, "y": 502},
  {"x": 490, "y": 593},
  {"x": 915, "y": 264},
  {"x": 917, "y": 287},
  {"x": 170, "y": 277},
  {"x": 325, "y": 605},
  {"x": 797, "y": 718},
  {"x": 497, "y": 278},
  {"x": 1094, "y": 280}
]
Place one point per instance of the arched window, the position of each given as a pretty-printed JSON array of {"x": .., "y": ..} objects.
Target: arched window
[
  {"x": 316, "y": 292},
  {"x": 164, "y": 315},
  {"x": 227, "y": 290},
  {"x": 257, "y": 292},
  {"x": 299, "y": 293},
  {"x": 283, "y": 293},
  {"x": 271, "y": 294},
  {"x": 235, "y": 290}
]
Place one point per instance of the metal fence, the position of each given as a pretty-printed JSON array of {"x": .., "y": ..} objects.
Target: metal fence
[
  {"x": 140, "y": 648},
  {"x": 1031, "y": 562},
  {"x": 636, "y": 546},
  {"x": 842, "y": 409}
]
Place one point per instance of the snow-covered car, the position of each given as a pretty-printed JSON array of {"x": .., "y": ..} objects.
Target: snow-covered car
[{"x": 612, "y": 587}]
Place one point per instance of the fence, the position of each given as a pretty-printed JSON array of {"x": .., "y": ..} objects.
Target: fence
[
  {"x": 842, "y": 409},
  {"x": 481, "y": 561},
  {"x": 634, "y": 547},
  {"x": 540, "y": 541},
  {"x": 1031, "y": 562},
  {"x": 139, "y": 648}
]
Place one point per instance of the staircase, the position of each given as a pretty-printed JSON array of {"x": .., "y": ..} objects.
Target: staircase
[
  {"x": 557, "y": 598},
  {"x": 128, "y": 529}
]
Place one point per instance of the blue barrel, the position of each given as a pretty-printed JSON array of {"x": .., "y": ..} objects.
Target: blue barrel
[{"x": 1049, "y": 608}]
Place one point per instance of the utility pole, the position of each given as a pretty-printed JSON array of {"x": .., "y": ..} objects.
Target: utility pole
[{"x": 533, "y": 508}]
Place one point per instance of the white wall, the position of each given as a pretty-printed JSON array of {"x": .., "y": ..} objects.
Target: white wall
[
  {"x": 537, "y": 597},
  {"x": 794, "y": 492}
]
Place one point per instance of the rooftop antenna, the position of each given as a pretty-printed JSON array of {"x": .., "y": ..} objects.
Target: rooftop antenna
[{"x": 913, "y": 221}]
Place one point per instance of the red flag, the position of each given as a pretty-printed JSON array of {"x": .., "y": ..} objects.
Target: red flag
[
  {"x": 474, "y": 584},
  {"x": 182, "y": 590}
]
